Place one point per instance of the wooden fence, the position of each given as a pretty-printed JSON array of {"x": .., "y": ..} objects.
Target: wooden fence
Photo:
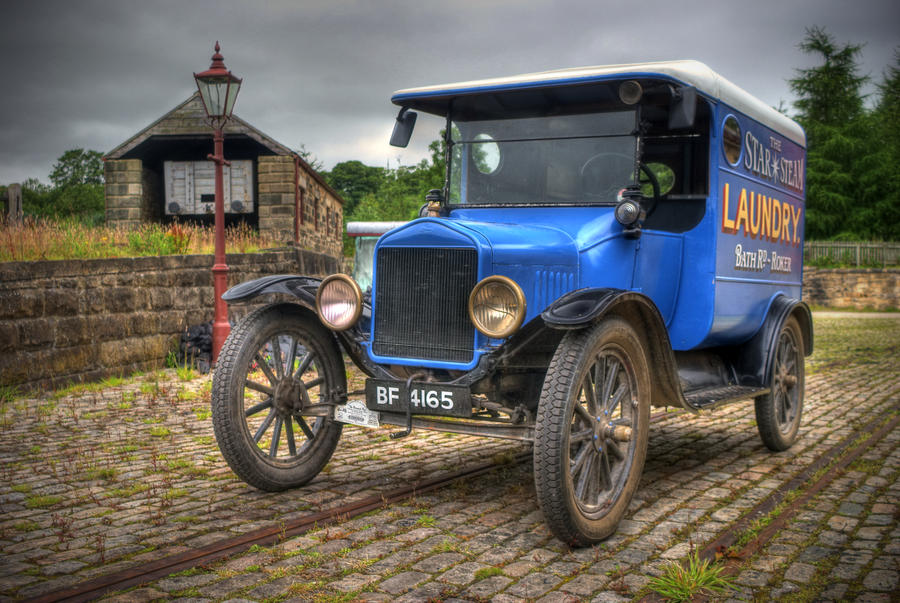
[{"x": 875, "y": 255}]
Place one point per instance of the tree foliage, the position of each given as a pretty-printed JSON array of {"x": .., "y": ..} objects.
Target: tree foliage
[
  {"x": 354, "y": 180},
  {"x": 77, "y": 166},
  {"x": 77, "y": 189},
  {"x": 852, "y": 185},
  {"x": 386, "y": 194}
]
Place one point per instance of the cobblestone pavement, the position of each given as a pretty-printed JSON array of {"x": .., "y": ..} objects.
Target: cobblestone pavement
[{"x": 94, "y": 480}]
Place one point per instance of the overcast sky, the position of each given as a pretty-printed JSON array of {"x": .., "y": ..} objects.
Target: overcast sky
[{"x": 320, "y": 73}]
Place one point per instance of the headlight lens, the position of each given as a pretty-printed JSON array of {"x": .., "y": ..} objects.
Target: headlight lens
[
  {"x": 497, "y": 306},
  {"x": 339, "y": 302}
]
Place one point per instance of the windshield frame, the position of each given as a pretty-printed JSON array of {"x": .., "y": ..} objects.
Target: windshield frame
[{"x": 449, "y": 143}]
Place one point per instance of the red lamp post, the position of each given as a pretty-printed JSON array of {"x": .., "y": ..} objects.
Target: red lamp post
[{"x": 218, "y": 90}]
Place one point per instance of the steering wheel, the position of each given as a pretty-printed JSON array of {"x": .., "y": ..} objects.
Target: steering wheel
[
  {"x": 597, "y": 183},
  {"x": 654, "y": 184}
]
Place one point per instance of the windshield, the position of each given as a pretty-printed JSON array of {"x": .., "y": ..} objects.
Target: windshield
[{"x": 561, "y": 159}]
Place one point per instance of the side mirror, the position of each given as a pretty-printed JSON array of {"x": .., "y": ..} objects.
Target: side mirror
[
  {"x": 683, "y": 108},
  {"x": 403, "y": 127}
]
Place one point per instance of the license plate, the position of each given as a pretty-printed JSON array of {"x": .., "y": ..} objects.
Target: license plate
[
  {"x": 426, "y": 398},
  {"x": 356, "y": 413}
]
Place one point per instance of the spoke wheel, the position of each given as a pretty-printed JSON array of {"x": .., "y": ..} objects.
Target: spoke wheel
[
  {"x": 592, "y": 431},
  {"x": 778, "y": 412},
  {"x": 273, "y": 367}
]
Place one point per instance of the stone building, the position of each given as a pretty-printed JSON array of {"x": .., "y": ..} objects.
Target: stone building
[{"x": 162, "y": 174}]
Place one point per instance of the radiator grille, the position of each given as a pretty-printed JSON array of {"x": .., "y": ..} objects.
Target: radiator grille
[{"x": 420, "y": 303}]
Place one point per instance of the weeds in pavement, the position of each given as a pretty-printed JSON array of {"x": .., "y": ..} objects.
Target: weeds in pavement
[
  {"x": 186, "y": 373},
  {"x": 681, "y": 582},
  {"x": 8, "y": 393},
  {"x": 487, "y": 572},
  {"x": 42, "y": 502},
  {"x": 62, "y": 526}
]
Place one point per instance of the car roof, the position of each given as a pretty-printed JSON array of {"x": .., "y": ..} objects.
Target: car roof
[{"x": 434, "y": 99}]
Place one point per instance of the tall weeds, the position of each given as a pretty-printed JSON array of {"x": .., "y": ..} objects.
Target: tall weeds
[{"x": 67, "y": 239}]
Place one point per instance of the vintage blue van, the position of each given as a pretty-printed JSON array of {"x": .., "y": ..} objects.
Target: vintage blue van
[{"x": 607, "y": 240}]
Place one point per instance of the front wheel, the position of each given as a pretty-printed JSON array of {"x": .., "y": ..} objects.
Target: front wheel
[
  {"x": 592, "y": 431},
  {"x": 275, "y": 367},
  {"x": 778, "y": 412}
]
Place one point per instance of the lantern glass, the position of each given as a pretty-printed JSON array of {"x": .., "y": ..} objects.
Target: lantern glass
[{"x": 218, "y": 94}]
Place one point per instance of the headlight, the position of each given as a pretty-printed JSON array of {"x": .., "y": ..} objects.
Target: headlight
[
  {"x": 339, "y": 302},
  {"x": 497, "y": 306}
]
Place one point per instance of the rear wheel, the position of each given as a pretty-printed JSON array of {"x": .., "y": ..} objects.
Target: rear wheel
[
  {"x": 778, "y": 412},
  {"x": 275, "y": 366},
  {"x": 592, "y": 431}
]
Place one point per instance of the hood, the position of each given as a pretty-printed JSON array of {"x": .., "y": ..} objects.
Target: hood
[{"x": 502, "y": 243}]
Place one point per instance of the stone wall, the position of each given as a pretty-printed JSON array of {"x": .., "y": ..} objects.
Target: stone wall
[
  {"x": 321, "y": 215},
  {"x": 72, "y": 320},
  {"x": 124, "y": 192},
  {"x": 875, "y": 288}
]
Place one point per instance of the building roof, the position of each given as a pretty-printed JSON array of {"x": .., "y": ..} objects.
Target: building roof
[
  {"x": 189, "y": 118},
  {"x": 693, "y": 73}
]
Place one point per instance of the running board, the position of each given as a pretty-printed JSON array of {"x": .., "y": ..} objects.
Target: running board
[{"x": 710, "y": 397}]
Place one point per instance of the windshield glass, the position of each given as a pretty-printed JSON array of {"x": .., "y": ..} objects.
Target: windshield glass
[{"x": 561, "y": 159}]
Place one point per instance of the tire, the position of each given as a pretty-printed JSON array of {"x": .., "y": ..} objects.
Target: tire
[
  {"x": 258, "y": 406},
  {"x": 583, "y": 487},
  {"x": 778, "y": 412}
]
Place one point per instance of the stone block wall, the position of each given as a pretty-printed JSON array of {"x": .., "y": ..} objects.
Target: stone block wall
[
  {"x": 875, "y": 288},
  {"x": 321, "y": 222},
  {"x": 124, "y": 192},
  {"x": 275, "y": 177},
  {"x": 72, "y": 320}
]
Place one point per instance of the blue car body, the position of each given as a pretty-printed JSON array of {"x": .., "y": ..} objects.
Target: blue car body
[{"x": 713, "y": 284}]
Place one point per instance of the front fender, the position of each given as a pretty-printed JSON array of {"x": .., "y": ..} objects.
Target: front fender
[
  {"x": 301, "y": 287},
  {"x": 584, "y": 307}
]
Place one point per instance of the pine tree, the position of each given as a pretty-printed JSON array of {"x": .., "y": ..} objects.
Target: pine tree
[{"x": 830, "y": 108}]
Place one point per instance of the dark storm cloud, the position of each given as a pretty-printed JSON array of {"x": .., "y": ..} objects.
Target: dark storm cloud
[{"x": 91, "y": 74}]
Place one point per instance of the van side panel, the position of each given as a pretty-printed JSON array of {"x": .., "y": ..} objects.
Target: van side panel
[{"x": 759, "y": 227}]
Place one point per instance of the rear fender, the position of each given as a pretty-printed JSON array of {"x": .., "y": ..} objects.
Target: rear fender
[
  {"x": 585, "y": 307},
  {"x": 754, "y": 360}
]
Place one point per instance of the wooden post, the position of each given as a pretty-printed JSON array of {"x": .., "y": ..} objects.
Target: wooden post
[{"x": 14, "y": 202}]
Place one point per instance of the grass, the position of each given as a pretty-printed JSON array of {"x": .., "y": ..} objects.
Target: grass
[
  {"x": 105, "y": 473},
  {"x": 487, "y": 572},
  {"x": 129, "y": 491},
  {"x": 26, "y": 526},
  {"x": 842, "y": 342},
  {"x": 42, "y": 502},
  {"x": 682, "y": 582},
  {"x": 8, "y": 393},
  {"x": 68, "y": 239},
  {"x": 186, "y": 373}
]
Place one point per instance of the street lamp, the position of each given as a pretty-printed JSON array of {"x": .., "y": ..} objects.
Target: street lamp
[{"x": 218, "y": 90}]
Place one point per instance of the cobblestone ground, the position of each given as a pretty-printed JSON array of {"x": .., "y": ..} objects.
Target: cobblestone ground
[{"x": 100, "y": 479}]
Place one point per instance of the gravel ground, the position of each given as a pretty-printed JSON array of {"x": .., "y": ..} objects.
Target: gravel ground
[{"x": 96, "y": 479}]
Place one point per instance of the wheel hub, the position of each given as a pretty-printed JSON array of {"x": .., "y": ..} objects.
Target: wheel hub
[{"x": 288, "y": 396}]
